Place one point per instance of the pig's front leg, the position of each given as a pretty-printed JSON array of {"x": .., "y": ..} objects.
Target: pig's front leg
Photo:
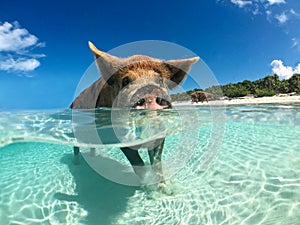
[
  {"x": 155, "y": 155},
  {"x": 76, "y": 155},
  {"x": 135, "y": 160}
]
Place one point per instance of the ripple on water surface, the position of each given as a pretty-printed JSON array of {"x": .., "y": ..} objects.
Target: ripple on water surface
[{"x": 254, "y": 179}]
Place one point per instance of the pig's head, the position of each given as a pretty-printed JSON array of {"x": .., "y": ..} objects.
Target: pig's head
[
  {"x": 139, "y": 81},
  {"x": 194, "y": 97}
]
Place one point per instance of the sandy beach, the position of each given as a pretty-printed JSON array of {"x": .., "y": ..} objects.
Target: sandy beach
[{"x": 248, "y": 100}]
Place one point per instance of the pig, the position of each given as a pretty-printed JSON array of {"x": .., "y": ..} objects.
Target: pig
[
  {"x": 136, "y": 82},
  {"x": 200, "y": 96}
]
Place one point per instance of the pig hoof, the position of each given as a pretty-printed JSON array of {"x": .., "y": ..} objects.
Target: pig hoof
[
  {"x": 162, "y": 185},
  {"x": 165, "y": 189}
]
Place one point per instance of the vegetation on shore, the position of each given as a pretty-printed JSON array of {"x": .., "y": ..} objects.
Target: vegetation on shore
[{"x": 267, "y": 86}]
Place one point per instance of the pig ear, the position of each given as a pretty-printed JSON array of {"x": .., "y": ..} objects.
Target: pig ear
[
  {"x": 179, "y": 69},
  {"x": 107, "y": 64}
]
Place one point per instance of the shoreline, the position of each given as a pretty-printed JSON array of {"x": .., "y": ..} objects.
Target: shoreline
[{"x": 247, "y": 100}]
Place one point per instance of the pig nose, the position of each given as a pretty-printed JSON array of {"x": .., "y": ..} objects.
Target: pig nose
[
  {"x": 152, "y": 102},
  {"x": 151, "y": 99}
]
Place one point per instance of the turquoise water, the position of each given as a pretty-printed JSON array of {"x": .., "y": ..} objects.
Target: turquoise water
[{"x": 251, "y": 176}]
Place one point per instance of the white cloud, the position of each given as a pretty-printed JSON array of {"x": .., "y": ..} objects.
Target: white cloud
[
  {"x": 272, "y": 2},
  {"x": 21, "y": 64},
  {"x": 294, "y": 13},
  {"x": 297, "y": 69},
  {"x": 256, "y": 11},
  {"x": 13, "y": 38},
  {"x": 284, "y": 72},
  {"x": 16, "y": 45},
  {"x": 274, "y": 10},
  {"x": 241, "y": 3},
  {"x": 287, "y": 15},
  {"x": 282, "y": 18},
  {"x": 295, "y": 43}
]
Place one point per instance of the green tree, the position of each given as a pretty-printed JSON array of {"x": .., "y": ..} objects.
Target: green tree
[
  {"x": 294, "y": 83},
  {"x": 215, "y": 91},
  {"x": 264, "y": 92},
  {"x": 250, "y": 86},
  {"x": 284, "y": 87},
  {"x": 267, "y": 86}
]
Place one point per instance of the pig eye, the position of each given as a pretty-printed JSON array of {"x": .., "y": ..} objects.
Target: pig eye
[
  {"x": 157, "y": 71},
  {"x": 110, "y": 81},
  {"x": 125, "y": 81}
]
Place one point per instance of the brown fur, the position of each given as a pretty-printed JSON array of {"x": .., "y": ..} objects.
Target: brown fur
[{"x": 113, "y": 69}]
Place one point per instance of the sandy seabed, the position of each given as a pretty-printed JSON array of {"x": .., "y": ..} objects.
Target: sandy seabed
[{"x": 248, "y": 100}]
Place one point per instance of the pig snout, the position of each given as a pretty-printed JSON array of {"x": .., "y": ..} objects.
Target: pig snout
[
  {"x": 152, "y": 102},
  {"x": 150, "y": 97},
  {"x": 142, "y": 95}
]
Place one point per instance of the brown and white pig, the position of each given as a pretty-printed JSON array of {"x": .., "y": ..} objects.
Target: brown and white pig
[{"x": 137, "y": 82}]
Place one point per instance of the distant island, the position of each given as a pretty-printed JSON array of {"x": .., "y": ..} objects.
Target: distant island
[{"x": 267, "y": 86}]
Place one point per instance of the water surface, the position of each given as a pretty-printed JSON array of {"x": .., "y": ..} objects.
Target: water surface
[{"x": 253, "y": 177}]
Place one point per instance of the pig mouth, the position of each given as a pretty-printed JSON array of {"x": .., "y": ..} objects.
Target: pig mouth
[{"x": 152, "y": 102}]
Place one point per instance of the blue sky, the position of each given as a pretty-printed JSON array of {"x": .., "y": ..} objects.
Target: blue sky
[{"x": 44, "y": 51}]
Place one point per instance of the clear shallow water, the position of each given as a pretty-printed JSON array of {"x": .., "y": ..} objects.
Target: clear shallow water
[
  {"x": 253, "y": 178},
  {"x": 114, "y": 127}
]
